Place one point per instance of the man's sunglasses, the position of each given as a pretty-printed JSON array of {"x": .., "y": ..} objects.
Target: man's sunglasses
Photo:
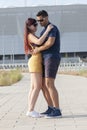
[{"x": 41, "y": 20}]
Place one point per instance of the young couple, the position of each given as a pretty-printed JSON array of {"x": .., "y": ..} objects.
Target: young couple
[{"x": 43, "y": 64}]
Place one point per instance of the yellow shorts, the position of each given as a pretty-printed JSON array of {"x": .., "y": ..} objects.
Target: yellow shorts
[{"x": 35, "y": 63}]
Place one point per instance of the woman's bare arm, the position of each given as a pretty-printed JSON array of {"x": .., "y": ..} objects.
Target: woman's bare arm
[{"x": 33, "y": 39}]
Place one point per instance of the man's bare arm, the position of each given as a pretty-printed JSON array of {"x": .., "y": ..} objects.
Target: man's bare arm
[{"x": 46, "y": 45}]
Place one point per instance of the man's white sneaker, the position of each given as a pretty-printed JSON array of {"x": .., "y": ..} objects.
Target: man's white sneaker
[{"x": 33, "y": 114}]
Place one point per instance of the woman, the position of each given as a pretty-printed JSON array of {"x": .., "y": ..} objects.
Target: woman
[{"x": 35, "y": 62}]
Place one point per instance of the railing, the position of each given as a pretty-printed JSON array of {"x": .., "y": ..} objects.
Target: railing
[
  {"x": 62, "y": 67},
  {"x": 72, "y": 66},
  {"x": 22, "y": 66}
]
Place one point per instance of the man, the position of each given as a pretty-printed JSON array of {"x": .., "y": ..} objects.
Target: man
[{"x": 50, "y": 50}]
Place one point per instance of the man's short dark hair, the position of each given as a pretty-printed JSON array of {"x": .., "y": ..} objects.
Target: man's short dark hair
[{"x": 42, "y": 13}]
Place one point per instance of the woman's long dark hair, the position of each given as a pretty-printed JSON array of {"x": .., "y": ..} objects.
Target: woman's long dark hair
[{"x": 27, "y": 46}]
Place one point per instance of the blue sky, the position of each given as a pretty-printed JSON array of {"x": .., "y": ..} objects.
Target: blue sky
[{"x": 19, "y": 3}]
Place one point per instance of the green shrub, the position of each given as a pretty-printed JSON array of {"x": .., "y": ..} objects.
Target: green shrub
[
  {"x": 83, "y": 73},
  {"x": 9, "y": 77}
]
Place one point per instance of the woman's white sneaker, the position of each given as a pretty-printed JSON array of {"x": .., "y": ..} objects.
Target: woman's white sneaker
[{"x": 33, "y": 114}]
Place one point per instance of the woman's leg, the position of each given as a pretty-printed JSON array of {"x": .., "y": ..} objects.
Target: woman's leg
[
  {"x": 30, "y": 92},
  {"x": 36, "y": 85}
]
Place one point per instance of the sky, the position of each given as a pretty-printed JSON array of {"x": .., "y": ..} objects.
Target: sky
[{"x": 23, "y": 3}]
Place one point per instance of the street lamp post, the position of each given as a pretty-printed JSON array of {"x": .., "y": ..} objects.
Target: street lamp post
[
  {"x": 25, "y": 3},
  {"x": 3, "y": 40},
  {"x": 13, "y": 50}
]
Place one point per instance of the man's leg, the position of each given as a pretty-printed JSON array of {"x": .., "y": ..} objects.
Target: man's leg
[
  {"x": 52, "y": 91},
  {"x": 51, "y": 68},
  {"x": 46, "y": 94},
  {"x": 47, "y": 98}
]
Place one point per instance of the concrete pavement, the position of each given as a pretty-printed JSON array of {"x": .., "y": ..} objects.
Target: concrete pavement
[{"x": 73, "y": 102}]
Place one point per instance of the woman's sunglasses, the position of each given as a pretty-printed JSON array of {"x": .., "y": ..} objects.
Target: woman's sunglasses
[{"x": 35, "y": 24}]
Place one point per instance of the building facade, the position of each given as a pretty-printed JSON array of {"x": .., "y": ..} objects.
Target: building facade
[{"x": 70, "y": 19}]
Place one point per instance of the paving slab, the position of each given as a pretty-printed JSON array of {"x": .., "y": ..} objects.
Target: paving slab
[{"x": 73, "y": 103}]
